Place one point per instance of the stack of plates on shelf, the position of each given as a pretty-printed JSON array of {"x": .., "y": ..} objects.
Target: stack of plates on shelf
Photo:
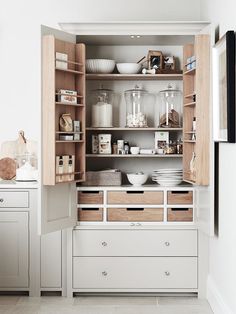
[{"x": 168, "y": 177}]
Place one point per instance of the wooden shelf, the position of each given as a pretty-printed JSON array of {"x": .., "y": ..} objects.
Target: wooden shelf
[
  {"x": 66, "y": 104},
  {"x": 133, "y": 156},
  {"x": 77, "y": 96},
  {"x": 190, "y": 141},
  {"x": 190, "y": 95},
  {"x": 70, "y": 62},
  {"x": 141, "y": 77},
  {"x": 79, "y": 141},
  {"x": 60, "y": 132},
  {"x": 70, "y": 71},
  {"x": 133, "y": 129},
  {"x": 190, "y": 72},
  {"x": 68, "y": 173},
  {"x": 190, "y": 104},
  {"x": 190, "y": 132}
]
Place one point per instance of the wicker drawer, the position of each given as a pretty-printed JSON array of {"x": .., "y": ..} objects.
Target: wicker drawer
[
  {"x": 180, "y": 214},
  {"x": 14, "y": 199},
  {"x": 135, "y": 214},
  {"x": 135, "y": 272},
  {"x": 135, "y": 197},
  {"x": 90, "y": 197},
  {"x": 180, "y": 197},
  {"x": 150, "y": 242},
  {"x": 90, "y": 214}
]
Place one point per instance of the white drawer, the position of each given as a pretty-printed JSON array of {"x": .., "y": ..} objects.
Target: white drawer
[
  {"x": 16, "y": 199},
  {"x": 135, "y": 272},
  {"x": 135, "y": 243}
]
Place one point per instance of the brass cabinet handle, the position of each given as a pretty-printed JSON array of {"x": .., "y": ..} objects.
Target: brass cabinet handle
[
  {"x": 167, "y": 243},
  {"x": 167, "y": 273},
  {"x": 1, "y": 200},
  {"x": 104, "y": 273},
  {"x": 104, "y": 243}
]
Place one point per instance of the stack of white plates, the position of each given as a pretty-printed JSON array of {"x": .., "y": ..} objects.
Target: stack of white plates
[{"x": 168, "y": 177}]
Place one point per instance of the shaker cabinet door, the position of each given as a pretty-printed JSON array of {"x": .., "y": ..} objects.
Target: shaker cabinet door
[{"x": 14, "y": 250}]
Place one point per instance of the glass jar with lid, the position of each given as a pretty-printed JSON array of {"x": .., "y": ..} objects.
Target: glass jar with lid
[
  {"x": 102, "y": 108},
  {"x": 170, "y": 110},
  {"x": 139, "y": 107}
]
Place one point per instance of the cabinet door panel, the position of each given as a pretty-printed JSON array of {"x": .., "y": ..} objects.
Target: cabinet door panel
[{"x": 14, "y": 249}]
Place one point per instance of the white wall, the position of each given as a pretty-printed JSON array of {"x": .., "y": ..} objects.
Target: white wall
[
  {"x": 20, "y": 46},
  {"x": 222, "y": 277}
]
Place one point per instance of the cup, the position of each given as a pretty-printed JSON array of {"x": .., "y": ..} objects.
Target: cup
[{"x": 134, "y": 150}]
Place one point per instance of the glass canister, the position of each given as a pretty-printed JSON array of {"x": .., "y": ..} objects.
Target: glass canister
[
  {"x": 102, "y": 108},
  {"x": 170, "y": 111},
  {"x": 138, "y": 107}
]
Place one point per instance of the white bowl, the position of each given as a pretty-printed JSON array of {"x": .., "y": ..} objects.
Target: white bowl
[
  {"x": 134, "y": 150},
  {"x": 128, "y": 68},
  {"x": 137, "y": 179},
  {"x": 100, "y": 66}
]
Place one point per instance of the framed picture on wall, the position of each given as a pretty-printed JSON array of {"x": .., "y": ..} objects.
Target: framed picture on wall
[{"x": 224, "y": 89}]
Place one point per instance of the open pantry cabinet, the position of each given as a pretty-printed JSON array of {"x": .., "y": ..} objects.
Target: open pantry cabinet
[{"x": 93, "y": 210}]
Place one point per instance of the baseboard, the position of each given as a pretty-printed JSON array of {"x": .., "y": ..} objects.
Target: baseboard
[{"x": 215, "y": 299}]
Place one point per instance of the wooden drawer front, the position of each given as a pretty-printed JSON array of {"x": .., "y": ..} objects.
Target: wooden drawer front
[
  {"x": 180, "y": 197},
  {"x": 135, "y": 214},
  {"x": 134, "y": 272},
  {"x": 180, "y": 214},
  {"x": 90, "y": 197},
  {"x": 14, "y": 199},
  {"x": 90, "y": 214},
  {"x": 124, "y": 243},
  {"x": 135, "y": 197}
]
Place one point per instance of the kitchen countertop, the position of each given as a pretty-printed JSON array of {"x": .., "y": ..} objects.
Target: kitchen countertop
[{"x": 11, "y": 184}]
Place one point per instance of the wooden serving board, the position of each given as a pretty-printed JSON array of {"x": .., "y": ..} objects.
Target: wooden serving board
[{"x": 7, "y": 168}]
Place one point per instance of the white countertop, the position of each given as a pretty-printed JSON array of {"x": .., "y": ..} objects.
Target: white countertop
[{"x": 11, "y": 184}]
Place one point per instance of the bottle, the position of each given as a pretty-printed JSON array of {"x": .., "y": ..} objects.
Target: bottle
[{"x": 126, "y": 148}]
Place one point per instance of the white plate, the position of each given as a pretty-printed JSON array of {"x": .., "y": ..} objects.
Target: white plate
[{"x": 168, "y": 170}]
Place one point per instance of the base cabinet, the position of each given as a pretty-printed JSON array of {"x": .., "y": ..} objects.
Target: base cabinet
[{"x": 14, "y": 250}]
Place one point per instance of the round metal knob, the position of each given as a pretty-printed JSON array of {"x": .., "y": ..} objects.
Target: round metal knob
[
  {"x": 1, "y": 200},
  {"x": 167, "y": 273},
  {"x": 104, "y": 273},
  {"x": 104, "y": 243},
  {"x": 132, "y": 224},
  {"x": 167, "y": 243},
  {"x": 138, "y": 224}
]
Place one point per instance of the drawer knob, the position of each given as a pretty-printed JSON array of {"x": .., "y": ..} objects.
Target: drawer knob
[
  {"x": 1, "y": 200},
  {"x": 104, "y": 273},
  {"x": 132, "y": 224},
  {"x": 167, "y": 273},
  {"x": 104, "y": 243},
  {"x": 167, "y": 243}
]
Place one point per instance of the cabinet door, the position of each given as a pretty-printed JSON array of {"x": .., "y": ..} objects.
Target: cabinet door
[
  {"x": 51, "y": 260},
  {"x": 14, "y": 250},
  {"x": 57, "y": 206}
]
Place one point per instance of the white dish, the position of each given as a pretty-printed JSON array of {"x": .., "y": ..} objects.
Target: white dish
[
  {"x": 168, "y": 170},
  {"x": 128, "y": 68},
  {"x": 100, "y": 66},
  {"x": 137, "y": 179}
]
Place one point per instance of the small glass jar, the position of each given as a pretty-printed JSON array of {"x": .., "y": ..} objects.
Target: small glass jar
[
  {"x": 139, "y": 107},
  {"x": 170, "y": 111}
]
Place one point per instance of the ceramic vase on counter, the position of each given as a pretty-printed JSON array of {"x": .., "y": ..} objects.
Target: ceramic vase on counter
[{"x": 102, "y": 108}]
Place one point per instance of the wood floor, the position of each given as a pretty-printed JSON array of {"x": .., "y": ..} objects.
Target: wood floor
[{"x": 104, "y": 305}]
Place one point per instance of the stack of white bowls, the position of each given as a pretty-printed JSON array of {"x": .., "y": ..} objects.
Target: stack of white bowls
[{"x": 168, "y": 177}]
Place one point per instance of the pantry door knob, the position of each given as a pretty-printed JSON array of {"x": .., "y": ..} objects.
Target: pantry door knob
[
  {"x": 104, "y": 243},
  {"x": 167, "y": 243},
  {"x": 167, "y": 273},
  {"x": 1, "y": 200},
  {"x": 104, "y": 273}
]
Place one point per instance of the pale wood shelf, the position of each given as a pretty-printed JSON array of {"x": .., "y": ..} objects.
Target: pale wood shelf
[
  {"x": 190, "y": 95},
  {"x": 70, "y": 71},
  {"x": 133, "y": 129},
  {"x": 66, "y": 104},
  {"x": 193, "y": 103},
  {"x": 79, "y": 141},
  {"x": 190, "y": 72},
  {"x": 141, "y": 77},
  {"x": 133, "y": 156}
]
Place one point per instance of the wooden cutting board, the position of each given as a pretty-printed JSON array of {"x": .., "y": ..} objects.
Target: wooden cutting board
[{"x": 7, "y": 168}]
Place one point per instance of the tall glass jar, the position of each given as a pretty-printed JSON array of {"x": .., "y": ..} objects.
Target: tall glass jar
[
  {"x": 170, "y": 111},
  {"x": 102, "y": 108},
  {"x": 139, "y": 107}
]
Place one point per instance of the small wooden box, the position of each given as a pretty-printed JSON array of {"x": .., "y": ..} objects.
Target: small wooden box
[
  {"x": 180, "y": 197},
  {"x": 90, "y": 197},
  {"x": 90, "y": 214},
  {"x": 135, "y": 214},
  {"x": 180, "y": 214}
]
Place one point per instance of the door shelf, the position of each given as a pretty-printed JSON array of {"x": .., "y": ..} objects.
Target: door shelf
[
  {"x": 70, "y": 71},
  {"x": 133, "y": 156},
  {"x": 66, "y": 104},
  {"x": 141, "y": 77},
  {"x": 190, "y": 72},
  {"x": 190, "y": 104},
  {"x": 79, "y": 141}
]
